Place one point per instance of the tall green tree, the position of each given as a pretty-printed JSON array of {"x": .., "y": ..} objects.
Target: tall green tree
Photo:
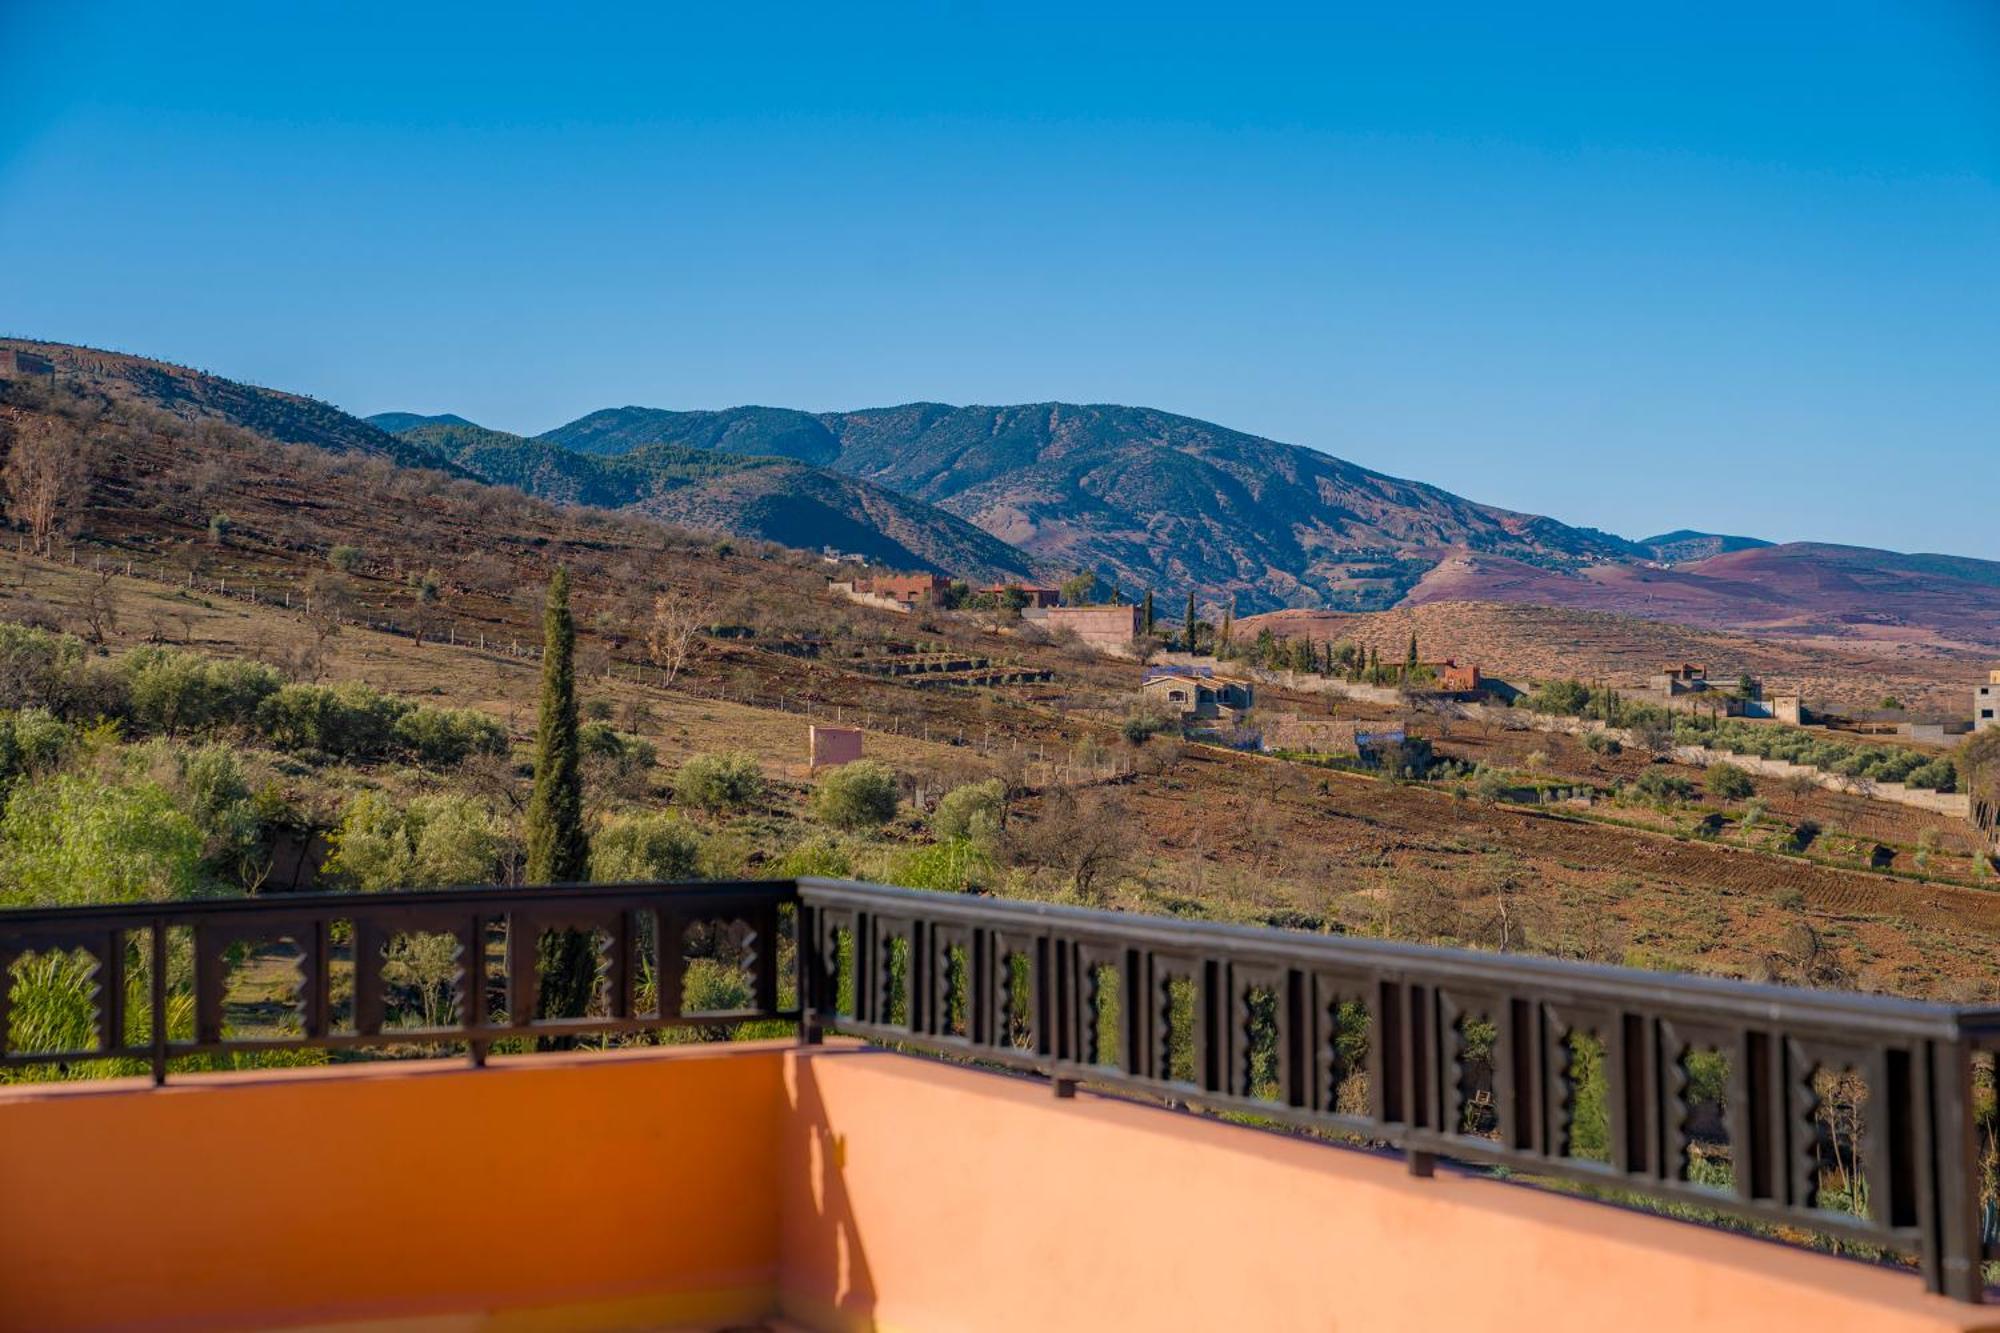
[
  {"x": 558, "y": 852},
  {"x": 1411, "y": 664},
  {"x": 1187, "y": 625},
  {"x": 1146, "y": 612}
]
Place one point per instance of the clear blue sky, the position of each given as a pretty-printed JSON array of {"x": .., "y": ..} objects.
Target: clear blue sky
[{"x": 1727, "y": 265}]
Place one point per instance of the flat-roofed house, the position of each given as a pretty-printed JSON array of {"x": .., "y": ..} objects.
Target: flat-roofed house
[{"x": 1197, "y": 692}]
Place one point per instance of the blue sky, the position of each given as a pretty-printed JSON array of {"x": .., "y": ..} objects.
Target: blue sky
[{"x": 1718, "y": 265}]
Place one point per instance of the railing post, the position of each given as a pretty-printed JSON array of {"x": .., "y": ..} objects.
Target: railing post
[
  {"x": 812, "y": 970},
  {"x": 159, "y": 1001},
  {"x": 1953, "y": 1259}
]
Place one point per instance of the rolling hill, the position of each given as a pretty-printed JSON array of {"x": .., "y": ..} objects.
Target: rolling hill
[
  {"x": 1156, "y": 500},
  {"x": 1147, "y": 499},
  {"x": 768, "y": 498}
]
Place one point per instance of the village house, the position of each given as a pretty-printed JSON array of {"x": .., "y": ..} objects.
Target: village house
[
  {"x": 1105, "y": 629},
  {"x": 1031, "y": 596},
  {"x": 1197, "y": 693},
  {"x": 895, "y": 592},
  {"x": 1986, "y": 703}
]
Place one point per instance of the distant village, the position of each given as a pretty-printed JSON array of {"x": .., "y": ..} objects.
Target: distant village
[{"x": 1202, "y": 676}]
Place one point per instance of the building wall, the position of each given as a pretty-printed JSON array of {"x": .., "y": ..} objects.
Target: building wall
[
  {"x": 1986, "y": 705},
  {"x": 851, "y": 1188},
  {"x": 1108, "y": 629},
  {"x": 622, "y": 1190},
  {"x": 829, "y": 747}
]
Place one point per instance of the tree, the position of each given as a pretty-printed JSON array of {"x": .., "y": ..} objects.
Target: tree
[
  {"x": 1410, "y": 662},
  {"x": 1146, "y": 614},
  {"x": 853, "y": 796},
  {"x": 558, "y": 852},
  {"x": 1727, "y": 782},
  {"x": 1079, "y": 590},
  {"x": 678, "y": 617},
  {"x": 1188, "y": 624},
  {"x": 47, "y": 478},
  {"x": 1978, "y": 767}
]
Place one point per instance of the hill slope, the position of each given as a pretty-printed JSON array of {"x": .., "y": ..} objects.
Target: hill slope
[
  {"x": 771, "y": 499},
  {"x": 201, "y": 398},
  {"x": 1149, "y": 498}
]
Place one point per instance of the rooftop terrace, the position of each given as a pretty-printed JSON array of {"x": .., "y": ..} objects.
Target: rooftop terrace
[{"x": 840, "y": 1185}]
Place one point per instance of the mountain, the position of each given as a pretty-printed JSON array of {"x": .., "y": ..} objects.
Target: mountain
[
  {"x": 772, "y": 499},
  {"x": 1147, "y": 498},
  {"x": 397, "y": 423},
  {"x": 200, "y": 398},
  {"x": 1162, "y": 501},
  {"x": 1684, "y": 544}
]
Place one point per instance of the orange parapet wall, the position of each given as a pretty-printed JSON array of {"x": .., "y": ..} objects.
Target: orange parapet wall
[
  {"x": 703, "y": 1186},
  {"x": 603, "y": 1190},
  {"x": 923, "y": 1196}
]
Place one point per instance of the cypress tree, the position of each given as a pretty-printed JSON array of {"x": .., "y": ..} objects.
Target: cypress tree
[
  {"x": 557, "y": 850},
  {"x": 1146, "y": 612},
  {"x": 1412, "y": 664},
  {"x": 1188, "y": 624}
]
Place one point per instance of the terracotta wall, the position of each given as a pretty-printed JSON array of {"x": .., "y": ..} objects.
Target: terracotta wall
[
  {"x": 704, "y": 1186},
  {"x": 920, "y": 1197},
  {"x": 601, "y": 1190}
]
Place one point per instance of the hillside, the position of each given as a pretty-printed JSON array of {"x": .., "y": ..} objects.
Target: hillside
[
  {"x": 766, "y": 498},
  {"x": 1167, "y": 502},
  {"x": 199, "y": 398},
  {"x": 1543, "y": 642},
  {"x": 1148, "y": 498}
]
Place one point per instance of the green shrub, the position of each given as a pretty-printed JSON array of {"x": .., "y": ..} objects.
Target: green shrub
[
  {"x": 72, "y": 839},
  {"x": 39, "y": 669},
  {"x": 644, "y": 847},
  {"x": 219, "y": 801},
  {"x": 953, "y": 865},
  {"x": 859, "y": 795},
  {"x": 32, "y": 741},
  {"x": 1562, "y": 698},
  {"x": 1937, "y": 775},
  {"x": 1662, "y": 787},
  {"x": 345, "y": 721},
  {"x": 172, "y": 692},
  {"x": 975, "y": 812},
  {"x": 447, "y": 737},
  {"x": 817, "y": 858},
  {"x": 346, "y": 559},
  {"x": 429, "y": 842},
  {"x": 1727, "y": 782},
  {"x": 1598, "y": 742},
  {"x": 719, "y": 782},
  {"x": 622, "y": 753}
]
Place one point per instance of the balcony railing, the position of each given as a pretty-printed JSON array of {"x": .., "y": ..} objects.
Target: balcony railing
[{"x": 1846, "y": 1116}]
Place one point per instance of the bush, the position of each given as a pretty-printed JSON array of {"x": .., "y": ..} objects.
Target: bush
[
  {"x": 719, "y": 782},
  {"x": 975, "y": 812},
  {"x": 431, "y": 842},
  {"x": 622, "y": 754},
  {"x": 172, "y": 692},
  {"x": 1727, "y": 782},
  {"x": 41, "y": 670},
  {"x": 1662, "y": 787},
  {"x": 644, "y": 847},
  {"x": 1937, "y": 775},
  {"x": 345, "y": 721},
  {"x": 32, "y": 741},
  {"x": 72, "y": 840},
  {"x": 1598, "y": 742},
  {"x": 856, "y": 796},
  {"x": 447, "y": 737},
  {"x": 951, "y": 866},
  {"x": 1562, "y": 698},
  {"x": 346, "y": 559},
  {"x": 819, "y": 858}
]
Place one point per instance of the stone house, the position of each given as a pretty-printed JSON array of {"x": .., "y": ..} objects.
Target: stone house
[{"x": 1197, "y": 693}]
